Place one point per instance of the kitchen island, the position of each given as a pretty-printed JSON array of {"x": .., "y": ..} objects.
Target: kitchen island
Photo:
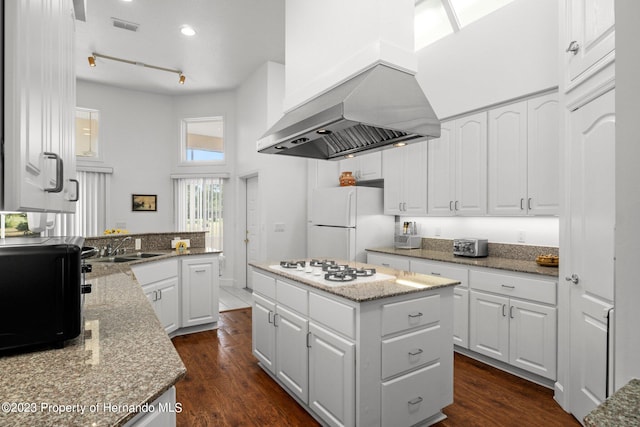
[
  {"x": 117, "y": 368},
  {"x": 372, "y": 352}
]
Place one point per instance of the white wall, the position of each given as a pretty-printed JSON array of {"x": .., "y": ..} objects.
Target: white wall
[
  {"x": 539, "y": 231},
  {"x": 135, "y": 137},
  {"x": 627, "y": 234},
  {"x": 507, "y": 54},
  {"x": 281, "y": 179}
]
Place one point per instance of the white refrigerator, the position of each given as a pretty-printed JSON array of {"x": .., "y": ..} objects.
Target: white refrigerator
[{"x": 344, "y": 221}]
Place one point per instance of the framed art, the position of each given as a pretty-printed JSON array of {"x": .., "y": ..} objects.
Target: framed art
[{"x": 144, "y": 202}]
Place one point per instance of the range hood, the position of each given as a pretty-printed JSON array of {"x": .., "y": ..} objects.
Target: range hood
[{"x": 380, "y": 107}]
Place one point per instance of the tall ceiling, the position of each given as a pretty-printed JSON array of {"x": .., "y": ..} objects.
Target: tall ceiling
[{"x": 233, "y": 38}]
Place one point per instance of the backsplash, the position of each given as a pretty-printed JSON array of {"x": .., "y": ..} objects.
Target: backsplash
[
  {"x": 499, "y": 250},
  {"x": 150, "y": 241}
]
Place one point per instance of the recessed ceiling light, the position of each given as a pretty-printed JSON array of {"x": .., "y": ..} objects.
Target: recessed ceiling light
[{"x": 187, "y": 30}]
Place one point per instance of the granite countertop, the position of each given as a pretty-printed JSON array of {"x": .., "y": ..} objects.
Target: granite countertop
[
  {"x": 124, "y": 358},
  {"x": 402, "y": 282},
  {"x": 622, "y": 408},
  {"x": 518, "y": 265}
]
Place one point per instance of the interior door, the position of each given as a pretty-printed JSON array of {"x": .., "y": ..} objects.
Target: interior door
[
  {"x": 252, "y": 228},
  {"x": 591, "y": 253}
]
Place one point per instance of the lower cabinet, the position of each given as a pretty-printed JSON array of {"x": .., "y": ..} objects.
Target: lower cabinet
[
  {"x": 183, "y": 291},
  {"x": 322, "y": 348},
  {"x": 513, "y": 330},
  {"x": 163, "y": 413},
  {"x": 200, "y": 290}
]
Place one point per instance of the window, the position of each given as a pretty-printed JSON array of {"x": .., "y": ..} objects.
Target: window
[
  {"x": 435, "y": 19},
  {"x": 87, "y": 134},
  {"x": 14, "y": 225},
  {"x": 198, "y": 207},
  {"x": 203, "y": 140}
]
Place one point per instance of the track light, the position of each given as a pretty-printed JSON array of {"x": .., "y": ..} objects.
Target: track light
[{"x": 94, "y": 55}]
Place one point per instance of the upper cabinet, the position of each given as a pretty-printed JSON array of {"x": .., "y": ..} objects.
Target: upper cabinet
[
  {"x": 523, "y": 158},
  {"x": 457, "y": 167},
  {"x": 39, "y": 107},
  {"x": 590, "y": 39},
  {"x": 405, "y": 179},
  {"x": 364, "y": 167}
]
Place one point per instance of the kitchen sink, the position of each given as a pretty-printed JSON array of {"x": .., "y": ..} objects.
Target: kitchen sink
[{"x": 126, "y": 257}]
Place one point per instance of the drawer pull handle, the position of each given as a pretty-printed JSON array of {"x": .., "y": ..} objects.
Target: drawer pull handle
[
  {"x": 201, "y": 271},
  {"x": 435, "y": 274},
  {"x": 415, "y": 315},
  {"x": 415, "y": 401},
  {"x": 508, "y": 286},
  {"x": 416, "y": 352}
]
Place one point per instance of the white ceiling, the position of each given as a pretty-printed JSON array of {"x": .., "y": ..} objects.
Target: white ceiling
[{"x": 233, "y": 38}]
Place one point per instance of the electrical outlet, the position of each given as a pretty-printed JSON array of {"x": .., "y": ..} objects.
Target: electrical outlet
[
  {"x": 138, "y": 244},
  {"x": 521, "y": 236}
]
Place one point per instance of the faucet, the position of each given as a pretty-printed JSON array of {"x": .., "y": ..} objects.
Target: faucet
[{"x": 115, "y": 250}]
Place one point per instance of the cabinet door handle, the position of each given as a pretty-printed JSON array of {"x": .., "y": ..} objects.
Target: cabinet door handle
[
  {"x": 455, "y": 205},
  {"x": 573, "y": 47},
  {"x": 77, "y": 190},
  {"x": 159, "y": 293},
  {"x": 400, "y": 206},
  {"x": 415, "y": 315},
  {"x": 511, "y": 312},
  {"x": 269, "y": 317},
  {"x": 574, "y": 278},
  {"x": 308, "y": 339},
  {"x": 415, "y": 401},
  {"x": 504, "y": 314},
  {"x": 521, "y": 204},
  {"x": 529, "y": 203},
  {"x": 508, "y": 286},
  {"x": 59, "y": 173},
  {"x": 155, "y": 295},
  {"x": 275, "y": 318},
  {"x": 416, "y": 352}
]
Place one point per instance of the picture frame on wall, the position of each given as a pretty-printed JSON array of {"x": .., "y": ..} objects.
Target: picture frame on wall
[{"x": 144, "y": 202}]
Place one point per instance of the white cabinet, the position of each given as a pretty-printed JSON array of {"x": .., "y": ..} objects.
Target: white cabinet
[
  {"x": 460, "y": 295},
  {"x": 39, "y": 107},
  {"x": 589, "y": 35},
  {"x": 162, "y": 414},
  {"x": 159, "y": 281},
  {"x": 364, "y": 167},
  {"x": 292, "y": 366},
  {"x": 200, "y": 290},
  {"x": 523, "y": 158},
  {"x": 390, "y": 261},
  {"x": 513, "y": 319},
  {"x": 458, "y": 168},
  {"x": 405, "y": 179},
  {"x": 332, "y": 393},
  {"x": 264, "y": 335}
]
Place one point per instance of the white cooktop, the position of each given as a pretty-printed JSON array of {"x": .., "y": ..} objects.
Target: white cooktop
[{"x": 319, "y": 278}]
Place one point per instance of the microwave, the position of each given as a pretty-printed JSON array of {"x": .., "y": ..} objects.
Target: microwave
[
  {"x": 40, "y": 291},
  {"x": 471, "y": 247}
]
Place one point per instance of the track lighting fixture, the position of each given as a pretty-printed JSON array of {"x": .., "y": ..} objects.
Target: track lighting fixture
[{"x": 94, "y": 55}]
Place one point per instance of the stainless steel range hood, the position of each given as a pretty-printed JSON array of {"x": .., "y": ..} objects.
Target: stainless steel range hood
[{"x": 379, "y": 107}]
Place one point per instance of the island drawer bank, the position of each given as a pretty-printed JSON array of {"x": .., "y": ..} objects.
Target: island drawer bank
[
  {"x": 110, "y": 375},
  {"x": 374, "y": 353}
]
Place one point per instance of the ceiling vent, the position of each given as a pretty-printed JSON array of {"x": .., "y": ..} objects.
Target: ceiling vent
[{"x": 125, "y": 25}]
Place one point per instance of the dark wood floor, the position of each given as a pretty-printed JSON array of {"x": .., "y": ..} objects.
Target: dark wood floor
[{"x": 225, "y": 387}]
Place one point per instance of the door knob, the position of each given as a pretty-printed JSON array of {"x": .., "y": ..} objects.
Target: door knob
[
  {"x": 574, "y": 47},
  {"x": 574, "y": 278}
]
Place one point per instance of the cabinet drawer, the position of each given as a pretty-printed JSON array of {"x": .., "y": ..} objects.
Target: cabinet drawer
[
  {"x": 437, "y": 269},
  {"x": 151, "y": 272},
  {"x": 514, "y": 286},
  {"x": 292, "y": 296},
  {"x": 265, "y": 285},
  {"x": 390, "y": 261},
  {"x": 336, "y": 315},
  {"x": 412, "y": 398},
  {"x": 399, "y": 316},
  {"x": 410, "y": 351}
]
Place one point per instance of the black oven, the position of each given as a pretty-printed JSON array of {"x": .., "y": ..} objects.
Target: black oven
[{"x": 41, "y": 281}]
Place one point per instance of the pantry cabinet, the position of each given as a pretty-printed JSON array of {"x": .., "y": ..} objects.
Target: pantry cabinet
[
  {"x": 523, "y": 157},
  {"x": 457, "y": 168},
  {"x": 589, "y": 39},
  {"x": 405, "y": 179},
  {"x": 39, "y": 107}
]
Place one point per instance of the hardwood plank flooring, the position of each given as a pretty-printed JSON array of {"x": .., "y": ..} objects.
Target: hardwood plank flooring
[{"x": 225, "y": 387}]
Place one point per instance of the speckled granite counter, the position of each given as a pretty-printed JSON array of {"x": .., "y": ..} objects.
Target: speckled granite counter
[
  {"x": 522, "y": 266},
  {"x": 124, "y": 358},
  {"x": 402, "y": 283},
  {"x": 622, "y": 408}
]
